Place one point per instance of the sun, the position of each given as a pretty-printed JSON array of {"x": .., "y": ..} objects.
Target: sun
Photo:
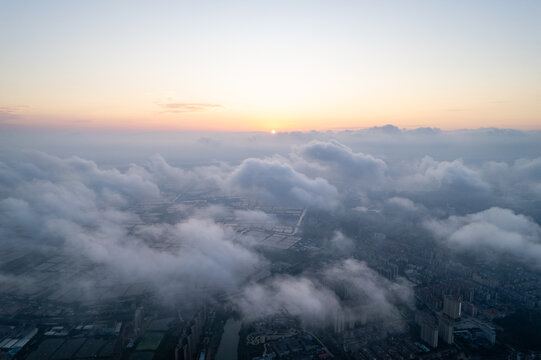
[{"x": 273, "y": 131}]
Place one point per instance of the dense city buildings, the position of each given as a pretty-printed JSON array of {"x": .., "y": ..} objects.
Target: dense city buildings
[{"x": 49, "y": 324}]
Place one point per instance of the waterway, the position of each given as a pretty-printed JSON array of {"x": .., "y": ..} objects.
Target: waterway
[{"x": 227, "y": 350}]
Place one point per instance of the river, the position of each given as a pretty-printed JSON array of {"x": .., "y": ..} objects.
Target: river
[{"x": 227, "y": 350}]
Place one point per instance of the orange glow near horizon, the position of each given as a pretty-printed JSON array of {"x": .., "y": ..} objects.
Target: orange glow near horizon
[
  {"x": 301, "y": 67},
  {"x": 224, "y": 119}
]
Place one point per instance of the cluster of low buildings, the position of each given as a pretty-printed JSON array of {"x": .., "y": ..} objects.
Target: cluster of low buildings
[{"x": 281, "y": 337}]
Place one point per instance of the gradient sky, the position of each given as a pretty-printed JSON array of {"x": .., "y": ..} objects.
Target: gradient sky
[{"x": 261, "y": 65}]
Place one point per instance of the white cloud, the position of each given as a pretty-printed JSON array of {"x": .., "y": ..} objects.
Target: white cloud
[
  {"x": 316, "y": 298},
  {"x": 336, "y": 161},
  {"x": 494, "y": 230},
  {"x": 431, "y": 175},
  {"x": 276, "y": 182}
]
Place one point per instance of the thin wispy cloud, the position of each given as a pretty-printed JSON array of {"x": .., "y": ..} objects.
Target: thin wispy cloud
[
  {"x": 181, "y": 107},
  {"x": 11, "y": 112}
]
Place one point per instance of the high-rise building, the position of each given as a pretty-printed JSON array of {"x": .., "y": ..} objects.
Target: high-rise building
[
  {"x": 138, "y": 321},
  {"x": 429, "y": 331},
  {"x": 390, "y": 271},
  {"x": 446, "y": 328},
  {"x": 182, "y": 352},
  {"x": 393, "y": 270},
  {"x": 452, "y": 306}
]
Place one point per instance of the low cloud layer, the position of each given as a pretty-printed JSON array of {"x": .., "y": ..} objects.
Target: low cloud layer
[
  {"x": 95, "y": 213},
  {"x": 497, "y": 230},
  {"x": 276, "y": 182},
  {"x": 346, "y": 291},
  {"x": 450, "y": 176},
  {"x": 71, "y": 207},
  {"x": 333, "y": 159}
]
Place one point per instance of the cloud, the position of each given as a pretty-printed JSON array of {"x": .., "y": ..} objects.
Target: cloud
[
  {"x": 403, "y": 204},
  {"x": 336, "y": 158},
  {"x": 13, "y": 283},
  {"x": 181, "y": 107},
  {"x": 369, "y": 296},
  {"x": 453, "y": 176},
  {"x": 386, "y": 129},
  {"x": 299, "y": 296},
  {"x": 276, "y": 182},
  {"x": 254, "y": 216},
  {"x": 425, "y": 131},
  {"x": 202, "y": 254},
  {"x": 495, "y": 230},
  {"x": 494, "y": 132},
  {"x": 515, "y": 181},
  {"x": 73, "y": 208},
  {"x": 91, "y": 212},
  {"x": 341, "y": 244},
  {"x": 8, "y": 113},
  {"x": 347, "y": 289}
]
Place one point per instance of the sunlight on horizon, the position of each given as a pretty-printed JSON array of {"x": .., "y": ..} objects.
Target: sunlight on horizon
[{"x": 234, "y": 66}]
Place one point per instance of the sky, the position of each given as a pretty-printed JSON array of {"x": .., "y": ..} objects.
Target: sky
[{"x": 263, "y": 65}]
